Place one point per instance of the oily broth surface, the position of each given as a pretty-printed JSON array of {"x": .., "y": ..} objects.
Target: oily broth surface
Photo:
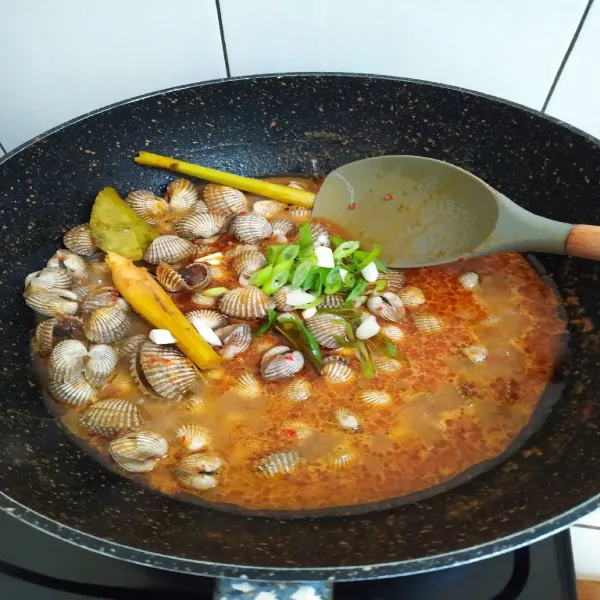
[{"x": 446, "y": 414}]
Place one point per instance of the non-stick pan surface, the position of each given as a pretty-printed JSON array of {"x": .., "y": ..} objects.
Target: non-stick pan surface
[{"x": 306, "y": 124}]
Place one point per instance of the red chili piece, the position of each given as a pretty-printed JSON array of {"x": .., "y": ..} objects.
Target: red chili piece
[{"x": 353, "y": 206}]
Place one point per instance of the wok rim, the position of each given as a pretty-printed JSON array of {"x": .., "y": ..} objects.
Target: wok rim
[{"x": 148, "y": 558}]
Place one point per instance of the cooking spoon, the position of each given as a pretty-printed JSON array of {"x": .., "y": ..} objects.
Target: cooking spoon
[{"x": 421, "y": 211}]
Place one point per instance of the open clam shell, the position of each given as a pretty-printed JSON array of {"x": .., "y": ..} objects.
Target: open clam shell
[
  {"x": 235, "y": 338},
  {"x": 138, "y": 452},
  {"x": 137, "y": 374},
  {"x": 101, "y": 365},
  {"x": 267, "y": 208},
  {"x": 278, "y": 463},
  {"x": 104, "y": 297},
  {"x": 249, "y": 262},
  {"x": 183, "y": 195},
  {"x": 149, "y": 207},
  {"x": 297, "y": 390},
  {"x": 169, "y": 249},
  {"x": 411, "y": 296},
  {"x": 111, "y": 416},
  {"x": 55, "y": 329},
  {"x": 394, "y": 278},
  {"x": 246, "y": 302},
  {"x": 248, "y": 386},
  {"x": 47, "y": 279},
  {"x": 131, "y": 344},
  {"x": 251, "y": 228},
  {"x": 107, "y": 325},
  {"x": 71, "y": 262},
  {"x": 53, "y": 302},
  {"x": 193, "y": 277},
  {"x": 201, "y": 225},
  {"x": 224, "y": 200},
  {"x": 80, "y": 241},
  {"x": 197, "y": 471},
  {"x": 214, "y": 319},
  {"x": 326, "y": 327},
  {"x": 280, "y": 363},
  {"x": 387, "y": 306},
  {"x": 193, "y": 437},
  {"x": 336, "y": 369},
  {"x": 75, "y": 392},
  {"x": 67, "y": 360},
  {"x": 283, "y": 227},
  {"x": 170, "y": 373}
]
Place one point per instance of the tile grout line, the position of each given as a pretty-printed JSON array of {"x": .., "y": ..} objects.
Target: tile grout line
[
  {"x": 223, "y": 42},
  {"x": 566, "y": 56},
  {"x": 3, "y": 149}
]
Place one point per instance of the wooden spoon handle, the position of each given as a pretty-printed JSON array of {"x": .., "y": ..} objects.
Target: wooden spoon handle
[{"x": 584, "y": 241}]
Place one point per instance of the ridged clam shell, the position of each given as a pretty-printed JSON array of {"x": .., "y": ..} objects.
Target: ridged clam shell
[
  {"x": 131, "y": 344},
  {"x": 111, "y": 416},
  {"x": 332, "y": 301},
  {"x": 44, "y": 336},
  {"x": 218, "y": 272},
  {"x": 387, "y": 306},
  {"x": 297, "y": 185},
  {"x": 246, "y": 302},
  {"x": 236, "y": 339},
  {"x": 200, "y": 207},
  {"x": 427, "y": 324},
  {"x": 168, "y": 248},
  {"x": 283, "y": 227},
  {"x": 183, "y": 195},
  {"x": 50, "y": 278},
  {"x": 386, "y": 364},
  {"x": 201, "y": 225},
  {"x": 223, "y": 199},
  {"x": 247, "y": 386},
  {"x": 104, "y": 297},
  {"x": 411, "y": 296},
  {"x": 53, "y": 302},
  {"x": 214, "y": 319},
  {"x": 347, "y": 419},
  {"x": 82, "y": 292},
  {"x": 300, "y": 214},
  {"x": 247, "y": 263},
  {"x": 469, "y": 280},
  {"x": 203, "y": 301},
  {"x": 193, "y": 277},
  {"x": 395, "y": 279},
  {"x": 67, "y": 360},
  {"x": 251, "y": 228},
  {"x": 476, "y": 354},
  {"x": 196, "y": 471},
  {"x": 393, "y": 333},
  {"x": 74, "y": 264},
  {"x": 170, "y": 373},
  {"x": 107, "y": 325},
  {"x": 195, "y": 405},
  {"x": 138, "y": 452},
  {"x": 342, "y": 457},
  {"x": 296, "y": 429},
  {"x": 55, "y": 329},
  {"x": 267, "y": 208},
  {"x": 79, "y": 240},
  {"x": 137, "y": 374},
  {"x": 101, "y": 365},
  {"x": 278, "y": 463},
  {"x": 76, "y": 392},
  {"x": 336, "y": 369},
  {"x": 194, "y": 437},
  {"x": 297, "y": 390},
  {"x": 375, "y": 397},
  {"x": 282, "y": 365},
  {"x": 121, "y": 384},
  {"x": 280, "y": 299},
  {"x": 240, "y": 249},
  {"x": 326, "y": 327},
  {"x": 320, "y": 234},
  {"x": 149, "y": 207}
]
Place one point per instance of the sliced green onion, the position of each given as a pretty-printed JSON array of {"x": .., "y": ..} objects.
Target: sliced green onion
[
  {"x": 336, "y": 241},
  {"x": 310, "y": 279},
  {"x": 302, "y": 339},
  {"x": 218, "y": 291},
  {"x": 288, "y": 252},
  {"x": 306, "y": 236},
  {"x": 273, "y": 253},
  {"x": 366, "y": 258},
  {"x": 350, "y": 281},
  {"x": 345, "y": 249},
  {"x": 380, "y": 285},
  {"x": 267, "y": 324},
  {"x": 302, "y": 272},
  {"x": 380, "y": 266},
  {"x": 276, "y": 281},
  {"x": 312, "y": 304},
  {"x": 362, "y": 353},
  {"x": 357, "y": 290},
  {"x": 260, "y": 277}
]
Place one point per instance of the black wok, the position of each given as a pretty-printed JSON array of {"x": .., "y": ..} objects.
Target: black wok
[{"x": 305, "y": 124}]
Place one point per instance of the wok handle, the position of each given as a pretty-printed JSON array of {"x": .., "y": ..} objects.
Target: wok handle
[
  {"x": 238, "y": 589},
  {"x": 584, "y": 241}
]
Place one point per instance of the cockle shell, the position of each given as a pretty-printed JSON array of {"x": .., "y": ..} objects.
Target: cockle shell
[
  {"x": 138, "y": 452},
  {"x": 247, "y": 263},
  {"x": 297, "y": 390},
  {"x": 251, "y": 228},
  {"x": 131, "y": 344},
  {"x": 225, "y": 200},
  {"x": 67, "y": 360},
  {"x": 280, "y": 363},
  {"x": 332, "y": 301},
  {"x": 469, "y": 281},
  {"x": 75, "y": 392},
  {"x": 218, "y": 272},
  {"x": 427, "y": 324},
  {"x": 296, "y": 429},
  {"x": 53, "y": 329},
  {"x": 53, "y": 302},
  {"x": 386, "y": 364},
  {"x": 104, "y": 297},
  {"x": 247, "y": 386},
  {"x": 170, "y": 373},
  {"x": 74, "y": 264},
  {"x": 49, "y": 278},
  {"x": 101, "y": 365},
  {"x": 111, "y": 416},
  {"x": 80, "y": 241},
  {"x": 201, "y": 225},
  {"x": 246, "y": 302},
  {"x": 107, "y": 325},
  {"x": 183, "y": 195},
  {"x": 203, "y": 301},
  {"x": 278, "y": 463},
  {"x": 476, "y": 354},
  {"x": 283, "y": 227},
  {"x": 193, "y": 277},
  {"x": 122, "y": 383},
  {"x": 149, "y": 207},
  {"x": 342, "y": 456},
  {"x": 300, "y": 214},
  {"x": 196, "y": 471},
  {"x": 168, "y": 248},
  {"x": 214, "y": 319},
  {"x": 82, "y": 292},
  {"x": 347, "y": 419},
  {"x": 393, "y": 333},
  {"x": 194, "y": 437},
  {"x": 326, "y": 327},
  {"x": 240, "y": 249},
  {"x": 297, "y": 185},
  {"x": 320, "y": 234},
  {"x": 387, "y": 306},
  {"x": 195, "y": 405},
  {"x": 267, "y": 208},
  {"x": 336, "y": 369},
  {"x": 235, "y": 338},
  {"x": 280, "y": 299},
  {"x": 411, "y": 296},
  {"x": 375, "y": 397},
  {"x": 137, "y": 374},
  {"x": 395, "y": 279}
]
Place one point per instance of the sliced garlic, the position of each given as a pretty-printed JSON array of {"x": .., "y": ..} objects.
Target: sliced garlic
[
  {"x": 309, "y": 312},
  {"x": 368, "y": 328},
  {"x": 299, "y": 298},
  {"x": 324, "y": 257},
  {"x": 202, "y": 327},
  {"x": 370, "y": 272},
  {"x": 161, "y": 336}
]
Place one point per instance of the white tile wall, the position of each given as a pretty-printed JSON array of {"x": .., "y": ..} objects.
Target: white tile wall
[
  {"x": 586, "y": 551},
  {"x": 576, "y": 98},
  {"x": 64, "y": 58},
  {"x": 508, "y": 48}
]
